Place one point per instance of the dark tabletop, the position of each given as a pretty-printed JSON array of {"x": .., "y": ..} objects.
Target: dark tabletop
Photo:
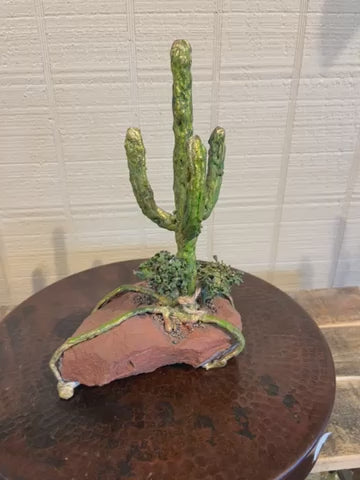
[{"x": 258, "y": 418}]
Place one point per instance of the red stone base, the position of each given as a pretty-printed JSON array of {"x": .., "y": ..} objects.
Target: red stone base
[{"x": 140, "y": 344}]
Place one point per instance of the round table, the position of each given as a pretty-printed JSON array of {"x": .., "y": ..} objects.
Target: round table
[{"x": 259, "y": 418}]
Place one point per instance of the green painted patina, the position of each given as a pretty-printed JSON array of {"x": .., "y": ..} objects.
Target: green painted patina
[
  {"x": 197, "y": 173},
  {"x": 179, "y": 285}
]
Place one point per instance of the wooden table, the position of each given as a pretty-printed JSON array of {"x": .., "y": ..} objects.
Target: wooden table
[{"x": 261, "y": 417}]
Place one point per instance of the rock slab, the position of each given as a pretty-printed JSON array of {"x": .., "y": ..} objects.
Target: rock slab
[{"x": 140, "y": 344}]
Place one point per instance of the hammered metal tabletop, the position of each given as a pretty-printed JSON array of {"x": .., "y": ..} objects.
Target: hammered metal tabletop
[{"x": 258, "y": 418}]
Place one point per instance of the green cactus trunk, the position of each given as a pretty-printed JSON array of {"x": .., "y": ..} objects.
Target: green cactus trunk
[
  {"x": 183, "y": 129},
  {"x": 196, "y": 185}
]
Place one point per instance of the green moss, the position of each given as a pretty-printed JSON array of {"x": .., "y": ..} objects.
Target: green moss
[
  {"x": 167, "y": 275},
  {"x": 217, "y": 278}
]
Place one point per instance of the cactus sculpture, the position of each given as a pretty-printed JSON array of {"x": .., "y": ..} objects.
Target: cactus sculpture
[
  {"x": 179, "y": 285},
  {"x": 196, "y": 186}
]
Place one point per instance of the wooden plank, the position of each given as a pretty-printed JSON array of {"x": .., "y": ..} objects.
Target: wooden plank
[
  {"x": 331, "y": 306},
  {"x": 344, "y": 343},
  {"x": 342, "y": 450},
  {"x": 323, "y": 476},
  {"x": 346, "y": 475},
  {"x": 337, "y": 312}
]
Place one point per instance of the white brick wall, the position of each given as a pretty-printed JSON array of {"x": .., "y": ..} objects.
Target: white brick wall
[{"x": 282, "y": 77}]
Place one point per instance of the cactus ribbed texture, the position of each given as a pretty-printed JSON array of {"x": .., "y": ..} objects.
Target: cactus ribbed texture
[{"x": 196, "y": 182}]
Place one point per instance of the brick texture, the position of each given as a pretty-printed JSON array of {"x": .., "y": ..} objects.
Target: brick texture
[{"x": 281, "y": 76}]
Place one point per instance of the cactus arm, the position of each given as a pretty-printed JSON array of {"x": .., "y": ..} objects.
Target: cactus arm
[
  {"x": 180, "y": 56},
  {"x": 196, "y": 172},
  {"x": 135, "y": 152},
  {"x": 215, "y": 169}
]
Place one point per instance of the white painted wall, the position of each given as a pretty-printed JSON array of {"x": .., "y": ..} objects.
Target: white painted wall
[{"x": 282, "y": 77}]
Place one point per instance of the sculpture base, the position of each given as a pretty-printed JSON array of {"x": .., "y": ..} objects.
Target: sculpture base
[{"x": 141, "y": 343}]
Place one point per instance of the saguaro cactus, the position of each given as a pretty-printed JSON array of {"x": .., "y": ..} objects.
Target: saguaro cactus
[
  {"x": 197, "y": 179},
  {"x": 179, "y": 287}
]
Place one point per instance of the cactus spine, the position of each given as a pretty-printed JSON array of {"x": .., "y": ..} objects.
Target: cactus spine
[{"x": 197, "y": 180}]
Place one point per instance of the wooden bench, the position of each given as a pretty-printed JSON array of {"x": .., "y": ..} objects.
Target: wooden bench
[{"x": 337, "y": 312}]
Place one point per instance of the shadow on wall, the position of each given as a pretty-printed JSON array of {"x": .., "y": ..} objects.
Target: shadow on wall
[
  {"x": 300, "y": 278},
  {"x": 60, "y": 253},
  {"x": 337, "y": 276},
  {"x": 336, "y": 30},
  {"x": 343, "y": 263},
  {"x": 38, "y": 280},
  {"x": 340, "y": 226},
  {"x": 60, "y": 261},
  {"x": 306, "y": 274},
  {"x": 293, "y": 279},
  {"x": 4, "y": 281},
  {"x": 344, "y": 272},
  {"x": 303, "y": 276},
  {"x": 87, "y": 258},
  {"x": 347, "y": 262}
]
